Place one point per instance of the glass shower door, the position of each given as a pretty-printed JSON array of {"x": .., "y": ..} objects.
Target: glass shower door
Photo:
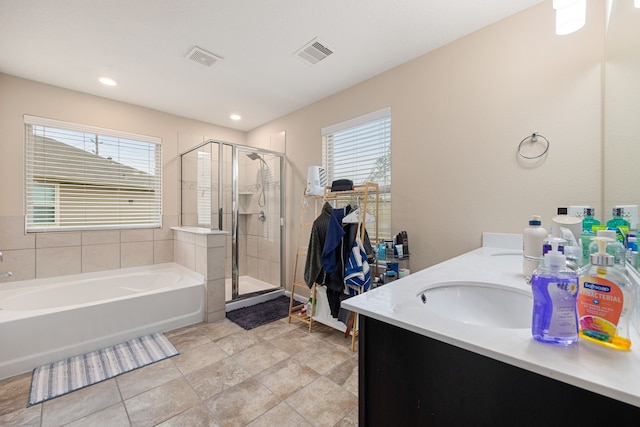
[{"x": 256, "y": 223}]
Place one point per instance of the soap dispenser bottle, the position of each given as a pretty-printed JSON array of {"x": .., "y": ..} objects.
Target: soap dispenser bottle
[
  {"x": 606, "y": 300},
  {"x": 589, "y": 220},
  {"x": 619, "y": 224},
  {"x": 555, "y": 291},
  {"x": 588, "y": 232}
]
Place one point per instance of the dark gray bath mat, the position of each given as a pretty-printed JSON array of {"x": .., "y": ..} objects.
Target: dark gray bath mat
[
  {"x": 260, "y": 314},
  {"x": 64, "y": 376}
]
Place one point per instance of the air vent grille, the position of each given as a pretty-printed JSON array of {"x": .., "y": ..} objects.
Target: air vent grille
[
  {"x": 203, "y": 57},
  {"x": 314, "y": 51}
]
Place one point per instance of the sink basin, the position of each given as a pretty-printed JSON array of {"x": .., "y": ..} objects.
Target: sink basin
[{"x": 478, "y": 303}]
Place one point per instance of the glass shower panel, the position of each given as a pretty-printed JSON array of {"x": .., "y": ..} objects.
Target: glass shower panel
[{"x": 199, "y": 192}]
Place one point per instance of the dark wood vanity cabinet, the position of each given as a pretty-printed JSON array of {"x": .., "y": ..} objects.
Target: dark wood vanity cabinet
[{"x": 407, "y": 379}]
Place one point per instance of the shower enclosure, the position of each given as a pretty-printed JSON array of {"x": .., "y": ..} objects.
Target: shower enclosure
[{"x": 238, "y": 189}]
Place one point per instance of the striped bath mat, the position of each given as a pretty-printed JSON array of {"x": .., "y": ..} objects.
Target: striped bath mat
[{"x": 58, "y": 378}]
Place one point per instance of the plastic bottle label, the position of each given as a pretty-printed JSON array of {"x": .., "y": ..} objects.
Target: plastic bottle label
[
  {"x": 563, "y": 316},
  {"x": 600, "y": 304}
]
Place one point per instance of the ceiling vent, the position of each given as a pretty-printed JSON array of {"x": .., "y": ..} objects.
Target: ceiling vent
[
  {"x": 203, "y": 57},
  {"x": 314, "y": 51}
]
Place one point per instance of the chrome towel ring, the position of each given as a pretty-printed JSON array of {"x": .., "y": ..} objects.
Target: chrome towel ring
[{"x": 533, "y": 138}]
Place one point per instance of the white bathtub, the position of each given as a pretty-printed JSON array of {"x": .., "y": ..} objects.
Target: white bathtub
[{"x": 45, "y": 320}]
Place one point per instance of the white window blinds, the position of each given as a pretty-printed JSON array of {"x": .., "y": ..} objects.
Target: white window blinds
[
  {"x": 360, "y": 150},
  {"x": 80, "y": 177}
]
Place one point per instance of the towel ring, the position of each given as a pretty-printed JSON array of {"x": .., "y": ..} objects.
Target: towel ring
[{"x": 533, "y": 138}]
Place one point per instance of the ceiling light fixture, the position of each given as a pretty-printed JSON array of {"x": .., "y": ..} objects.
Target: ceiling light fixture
[
  {"x": 636, "y": 3},
  {"x": 570, "y": 15},
  {"x": 235, "y": 117},
  {"x": 107, "y": 81}
]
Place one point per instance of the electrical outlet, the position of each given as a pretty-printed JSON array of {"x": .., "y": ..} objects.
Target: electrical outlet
[
  {"x": 577, "y": 211},
  {"x": 630, "y": 214}
]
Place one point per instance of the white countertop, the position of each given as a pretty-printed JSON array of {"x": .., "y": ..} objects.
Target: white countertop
[{"x": 609, "y": 372}]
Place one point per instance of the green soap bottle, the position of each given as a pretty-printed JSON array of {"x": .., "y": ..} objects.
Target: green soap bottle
[
  {"x": 588, "y": 232},
  {"x": 589, "y": 220},
  {"x": 619, "y": 224}
]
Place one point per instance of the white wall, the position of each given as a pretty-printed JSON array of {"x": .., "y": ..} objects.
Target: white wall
[
  {"x": 52, "y": 254},
  {"x": 458, "y": 114}
]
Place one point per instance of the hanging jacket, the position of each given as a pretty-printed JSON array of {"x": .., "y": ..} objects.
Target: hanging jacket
[
  {"x": 313, "y": 269},
  {"x": 335, "y": 234}
]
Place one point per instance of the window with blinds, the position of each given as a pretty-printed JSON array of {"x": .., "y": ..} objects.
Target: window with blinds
[
  {"x": 80, "y": 177},
  {"x": 360, "y": 150}
]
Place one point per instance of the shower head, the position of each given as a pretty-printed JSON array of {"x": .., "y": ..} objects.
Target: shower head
[{"x": 256, "y": 156}]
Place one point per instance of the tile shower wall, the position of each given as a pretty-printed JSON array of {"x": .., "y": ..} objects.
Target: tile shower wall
[{"x": 39, "y": 255}]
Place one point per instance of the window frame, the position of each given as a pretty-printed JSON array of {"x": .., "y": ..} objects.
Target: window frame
[
  {"x": 120, "y": 182},
  {"x": 355, "y": 125}
]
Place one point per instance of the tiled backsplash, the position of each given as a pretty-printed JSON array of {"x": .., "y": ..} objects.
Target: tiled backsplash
[{"x": 38, "y": 255}]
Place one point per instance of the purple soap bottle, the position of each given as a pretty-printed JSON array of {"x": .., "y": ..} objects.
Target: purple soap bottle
[{"x": 555, "y": 293}]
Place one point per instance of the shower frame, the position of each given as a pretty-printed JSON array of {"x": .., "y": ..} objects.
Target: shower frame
[{"x": 236, "y": 149}]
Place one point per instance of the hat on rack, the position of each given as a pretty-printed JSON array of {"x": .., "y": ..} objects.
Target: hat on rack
[{"x": 342, "y": 185}]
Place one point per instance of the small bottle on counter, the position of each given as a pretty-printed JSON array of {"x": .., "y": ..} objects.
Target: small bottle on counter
[{"x": 532, "y": 243}]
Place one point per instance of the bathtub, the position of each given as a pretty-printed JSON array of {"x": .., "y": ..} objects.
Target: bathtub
[{"x": 44, "y": 320}]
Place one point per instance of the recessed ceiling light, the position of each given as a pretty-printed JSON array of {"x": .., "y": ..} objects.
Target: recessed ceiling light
[
  {"x": 235, "y": 117},
  {"x": 107, "y": 81}
]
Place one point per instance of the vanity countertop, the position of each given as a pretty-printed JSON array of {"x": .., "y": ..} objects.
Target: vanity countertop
[{"x": 608, "y": 372}]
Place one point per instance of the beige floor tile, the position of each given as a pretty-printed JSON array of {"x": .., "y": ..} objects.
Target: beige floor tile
[
  {"x": 273, "y": 329},
  {"x": 345, "y": 375},
  {"x": 242, "y": 404},
  {"x": 293, "y": 341},
  {"x": 26, "y": 417},
  {"x": 161, "y": 403},
  {"x": 215, "y": 365},
  {"x": 260, "y": 357},
  {"x": 146, "y": 378},
  {"x": 217, "y": 377},
  {"x": 281, "y": 416},
  {"x": 80, "y": 403},
  {"x": 198, "y": 416},
  {"x": 113, "y": 416},
  {"x": 286, "y": 377},
  {"x": 199, "y": 357},
  {"x": 235, "y": 343},
  {"x": 220, "y": 329},
  {"x": 189, "y": 339},
  {"x": 349, "y": 420},
  {"x": 323, "y": 402},
  {"x": 322, "y": 357},
  {"x": 14, "y": 393}
]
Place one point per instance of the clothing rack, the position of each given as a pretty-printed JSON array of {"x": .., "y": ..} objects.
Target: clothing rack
[{"x": 365, "y": 195}]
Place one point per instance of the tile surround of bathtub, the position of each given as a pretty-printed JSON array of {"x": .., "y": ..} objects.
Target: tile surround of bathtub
[
  {"x": 58, "y": 261},
  {"x": 204, "y": 252},
  {"x": 100, "y": 257},
  {"x": 38, "y": 255}
]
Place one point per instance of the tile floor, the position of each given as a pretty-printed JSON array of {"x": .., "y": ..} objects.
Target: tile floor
[{"x": 274, "y": 375}]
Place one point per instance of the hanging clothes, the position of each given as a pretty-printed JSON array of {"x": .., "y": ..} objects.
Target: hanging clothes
[
  {"x": 313, "y": 269},
  {"x": 357, "y": 276},
  {"x": 333, "y": 259},
  {"x": 330, "y": 246}
]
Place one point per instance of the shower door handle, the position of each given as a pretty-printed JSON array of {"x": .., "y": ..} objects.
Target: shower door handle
[{"x": 220, "y": 219}]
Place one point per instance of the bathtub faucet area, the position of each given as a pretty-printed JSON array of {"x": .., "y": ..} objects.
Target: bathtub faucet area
[{"x": 4, "y": 273}]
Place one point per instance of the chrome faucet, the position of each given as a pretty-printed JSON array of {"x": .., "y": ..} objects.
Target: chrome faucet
[{"x": 4, "y": 273}]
